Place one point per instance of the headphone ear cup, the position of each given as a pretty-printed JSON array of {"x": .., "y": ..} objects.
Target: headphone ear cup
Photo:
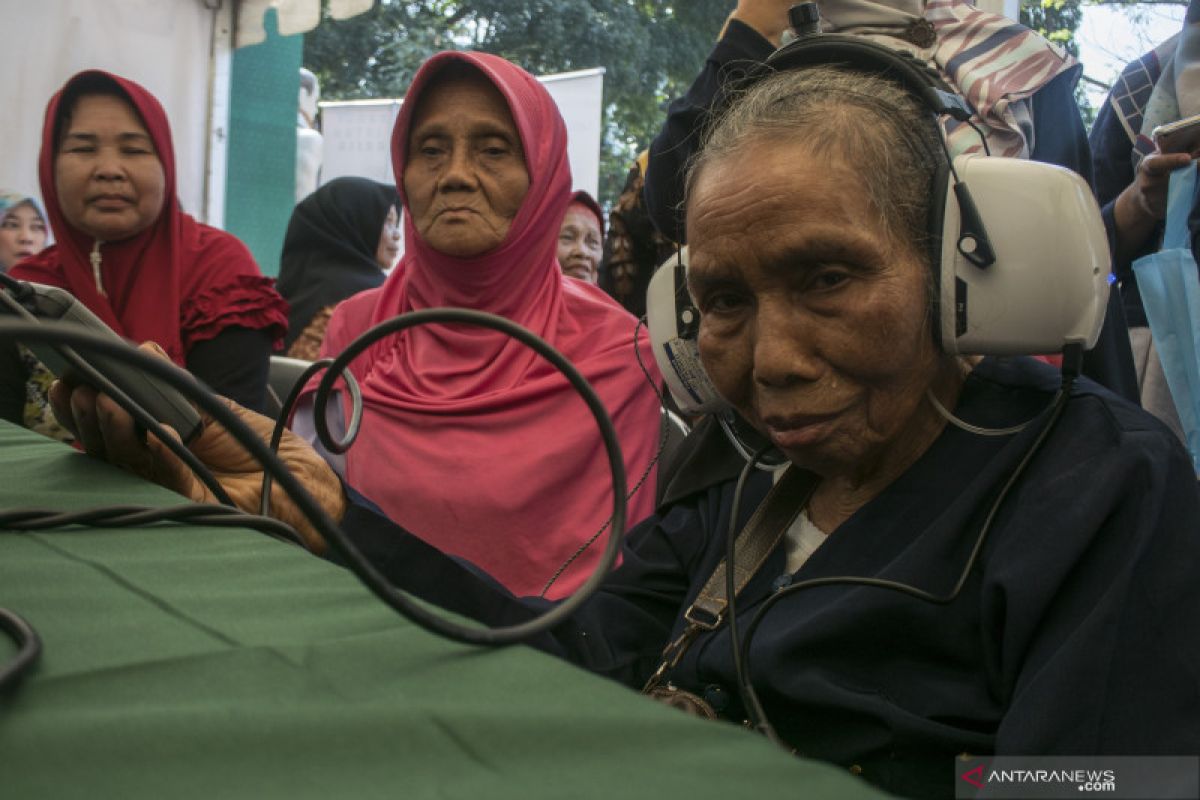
[
  {"x": 673, "y": 322},
  {"x": 937, "y": 233},
  {"x": 1048, "y": 286}
]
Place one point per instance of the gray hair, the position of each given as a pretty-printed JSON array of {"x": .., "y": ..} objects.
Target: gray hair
[{"x": 871, "y": 124}]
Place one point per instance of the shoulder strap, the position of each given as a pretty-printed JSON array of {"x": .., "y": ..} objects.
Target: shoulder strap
[{"x": 757, "y": 540}]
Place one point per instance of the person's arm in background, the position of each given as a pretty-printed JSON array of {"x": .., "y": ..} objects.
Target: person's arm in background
[
  {"x": 751, "y": 33},
  {"x": 235, "y": 363},
  {"x": 231, "y": 319},
  {"x": 1133, "y": 202},
  {"x": 1059, "y": 134},
  {"x": 1138, "y": 210}
]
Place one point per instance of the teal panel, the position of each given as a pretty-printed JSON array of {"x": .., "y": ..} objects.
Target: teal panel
[{"x": 261, "y": 170}]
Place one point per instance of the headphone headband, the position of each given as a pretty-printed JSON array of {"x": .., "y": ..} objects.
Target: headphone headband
[{"x": 863, "y": 55}]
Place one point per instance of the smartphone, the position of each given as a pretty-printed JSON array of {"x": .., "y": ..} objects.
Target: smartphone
[{"x": 1182, "y": 136}]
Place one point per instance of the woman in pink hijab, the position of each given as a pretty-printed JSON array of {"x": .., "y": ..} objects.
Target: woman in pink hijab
[{"x": 469, "y": 439}]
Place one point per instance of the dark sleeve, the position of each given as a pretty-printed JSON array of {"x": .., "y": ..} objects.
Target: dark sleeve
[
  {"x": 1114, "y": 666},
  {"x": 1110, "y": 362},
  {"x": 234, "y": 363},
  {"x": 620, "y": 632},
  {"x": 740, "y": 48},
  {"x": 1194, "y": 223},
  {"x": 1112, "y": 169},
  {"x": 12, "y": 384},
  {"x": 1112, "y": 172},
  {"x": 1059, "y": 136}
]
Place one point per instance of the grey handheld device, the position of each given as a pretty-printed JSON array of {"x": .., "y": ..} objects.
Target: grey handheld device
[{"x": 160, "y": 400}]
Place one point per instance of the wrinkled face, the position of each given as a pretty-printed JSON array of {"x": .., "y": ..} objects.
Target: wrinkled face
[
  {"x": 465, "y": 175},
  {"x": 22, "y": 234},
  {"x": 109, "y": 179},
  {"x": 389, "y": 241},
  {"x": 580, "y": 244},
  {"x": 813, "y": 320}
]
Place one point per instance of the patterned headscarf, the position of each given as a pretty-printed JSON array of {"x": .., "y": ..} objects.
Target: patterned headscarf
[
  {"x": 1161, "y": 86},
  {"x": 993, "y": 62}
]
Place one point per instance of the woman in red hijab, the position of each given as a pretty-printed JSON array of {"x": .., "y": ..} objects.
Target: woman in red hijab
[
  {"x": 469, "y": 438},
  {"x": 126, "y": 250},
  {"x": 581, "y": 238}
]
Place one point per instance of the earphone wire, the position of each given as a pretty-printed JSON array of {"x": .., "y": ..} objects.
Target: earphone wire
[
  {"x": 288, "y": 407},
  {"x": 739, "y": 664},
  {"x": 962, "y": 424}
]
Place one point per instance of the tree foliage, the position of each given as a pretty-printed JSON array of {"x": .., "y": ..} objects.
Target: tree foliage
[
  {"x": 1057, "y": 20},
  {"x": 651, "y": 50}
]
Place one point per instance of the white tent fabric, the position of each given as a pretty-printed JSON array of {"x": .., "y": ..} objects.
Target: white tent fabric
[
  {"x": 162, "y": 44},
  {"x": 178, "y": 49}
]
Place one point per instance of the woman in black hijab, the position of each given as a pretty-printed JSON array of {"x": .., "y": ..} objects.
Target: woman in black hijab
[{"x": 339, "y": 241}]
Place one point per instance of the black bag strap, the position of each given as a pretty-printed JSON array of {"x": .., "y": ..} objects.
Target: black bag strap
[{"x": 758, "y": 539}]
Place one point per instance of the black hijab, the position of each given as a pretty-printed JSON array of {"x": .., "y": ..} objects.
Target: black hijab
[{"x": 329, "y": 249}]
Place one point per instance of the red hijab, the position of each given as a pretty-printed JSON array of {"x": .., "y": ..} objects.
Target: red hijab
[
  {"x": 471, "y": 440},
  {"x": 176, "y": 283},
  {"x": 585, "y": 200}
]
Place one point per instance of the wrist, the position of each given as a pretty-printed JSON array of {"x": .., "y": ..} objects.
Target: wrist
[
  {"x": 769, "y": 26},
  {"x": 1132, "y": 221}
]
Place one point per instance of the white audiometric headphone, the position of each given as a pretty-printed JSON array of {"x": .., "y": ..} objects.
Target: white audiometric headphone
[{"x": 1021, "y": 257}]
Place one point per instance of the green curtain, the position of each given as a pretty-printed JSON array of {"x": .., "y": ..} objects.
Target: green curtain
[{"x": 261, "y": 170}]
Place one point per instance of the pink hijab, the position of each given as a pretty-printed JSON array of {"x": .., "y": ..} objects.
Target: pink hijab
[{"x": 470, "y": 440}]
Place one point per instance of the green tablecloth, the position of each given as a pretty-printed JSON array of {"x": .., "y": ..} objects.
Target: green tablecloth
[{"x": 193, "y": 662}]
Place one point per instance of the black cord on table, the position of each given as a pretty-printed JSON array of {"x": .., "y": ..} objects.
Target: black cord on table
[
  {"x": 210, "y": 514},
  {"x": 29, "y": 648}
]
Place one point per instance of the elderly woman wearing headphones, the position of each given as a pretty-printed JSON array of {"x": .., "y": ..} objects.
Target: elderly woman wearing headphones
[{"x": 1006, "y": 584}]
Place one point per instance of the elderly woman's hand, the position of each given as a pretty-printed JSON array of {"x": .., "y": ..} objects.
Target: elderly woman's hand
[{"x": 107, "y": 432}]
